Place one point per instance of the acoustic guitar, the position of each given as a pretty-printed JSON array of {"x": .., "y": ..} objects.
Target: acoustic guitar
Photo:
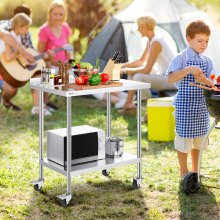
[{"x": 18, "y": 71}]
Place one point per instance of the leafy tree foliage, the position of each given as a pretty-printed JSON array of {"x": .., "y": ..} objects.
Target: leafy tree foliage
[{"x": 87, "y": 15}]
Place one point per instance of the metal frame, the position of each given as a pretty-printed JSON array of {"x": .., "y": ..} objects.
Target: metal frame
[
  {"x": 106, "y": 164},
  {"x": 214, "y": 124}
]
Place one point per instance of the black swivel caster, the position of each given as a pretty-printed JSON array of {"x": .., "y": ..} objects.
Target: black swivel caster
[
  {"x": 135, "y": 184},
  {"x": 105, "y": 173},
  {"x": 190, "y": 183},
  {"x": 37, "y": 188},
  {"x": 63, "y": 203}
]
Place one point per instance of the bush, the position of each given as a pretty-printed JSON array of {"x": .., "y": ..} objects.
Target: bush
[{"x": 39, "y": 9}]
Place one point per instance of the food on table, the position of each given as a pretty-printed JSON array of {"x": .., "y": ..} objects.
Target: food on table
[
  {"x": 95, "y": 79},
  {"x": 95, "y": 69},
  {"x": 104, "y": 77},
  {"x": 77, "y": 66},
  {"x": 86, "y": 65},
  {"x": 81, "y": 65},
  {"x": 86, "y": 78},
  {"x": 80, "y": 80},
  {"x": 84, "y": 68}
]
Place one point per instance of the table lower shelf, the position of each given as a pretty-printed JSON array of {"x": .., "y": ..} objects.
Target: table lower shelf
[{"x": 92, "y": 166}]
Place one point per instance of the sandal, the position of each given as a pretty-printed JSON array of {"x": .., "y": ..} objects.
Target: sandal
[
  {"x": 12, "y": 106},
  {"x": 35, "y": 111},
  {"x": 8, "y": 105}
]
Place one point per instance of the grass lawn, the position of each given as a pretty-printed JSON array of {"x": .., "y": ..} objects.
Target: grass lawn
[{"x": 94, "y": 195}]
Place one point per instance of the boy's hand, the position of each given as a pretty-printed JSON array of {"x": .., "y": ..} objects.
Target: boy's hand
[
  {"x": 195, "y": 70},
  {"x": 199, "y": 75},
  {"x": 202, "y": 79}
]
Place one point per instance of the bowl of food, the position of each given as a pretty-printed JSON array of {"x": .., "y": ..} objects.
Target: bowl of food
[
  {"x": 83, "y": 68},
  {"x": 80, "y": 72}
]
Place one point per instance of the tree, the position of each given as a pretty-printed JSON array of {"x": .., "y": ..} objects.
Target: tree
[{"x": 84, "y": 16}]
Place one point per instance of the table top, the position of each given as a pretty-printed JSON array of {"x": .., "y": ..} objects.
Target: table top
[{"x": 68, "y": 91}]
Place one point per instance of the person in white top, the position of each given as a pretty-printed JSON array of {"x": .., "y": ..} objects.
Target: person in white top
[{"x": 152, "y": 65}]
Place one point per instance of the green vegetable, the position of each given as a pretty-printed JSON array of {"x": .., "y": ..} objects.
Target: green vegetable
[
  {"x": 86, "y": 65},
  {"x": 83, "y": 65},
  {"x": 97, "y": 62},
  {"x": 95, "y": 79}
]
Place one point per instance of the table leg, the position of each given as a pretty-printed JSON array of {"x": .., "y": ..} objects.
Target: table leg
[
  {"x": 203, "y": 144},
  {"x": 139, "y": 131},
  {"x": 41, "y": 131},
  {"x": 108, "y": 114},
  {"x": 65, "y": 198},
  {"x": 38, "y": 183},
  {"x": 137, "y": 180},
  {"x": 69, "y": 144}
]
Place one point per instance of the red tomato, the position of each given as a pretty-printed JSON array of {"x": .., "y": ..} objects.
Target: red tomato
[
  {"x": 79, "y": 80},
  {"x": 212, "y": 76},
  {"x": 218, "y": 79},
  {"x": 104, "y": 77},
  {"x": 78, "y": 65},
  {"x": 86, "y": 79}
]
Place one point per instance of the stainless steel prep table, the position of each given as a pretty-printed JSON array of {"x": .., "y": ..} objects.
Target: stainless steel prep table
[{"x": 103, "y": 165}]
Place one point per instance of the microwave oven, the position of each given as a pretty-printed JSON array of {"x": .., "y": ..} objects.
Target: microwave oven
[{"x": 88, "y": 144}]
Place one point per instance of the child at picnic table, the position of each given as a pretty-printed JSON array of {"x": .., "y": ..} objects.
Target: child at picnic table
[{"x": 191, "y": 114}]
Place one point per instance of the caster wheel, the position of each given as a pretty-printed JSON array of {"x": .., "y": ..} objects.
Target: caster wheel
[
  {"x": 190, "y": 183},
  {"x": 135, "y": 185},
  {"x": 37, "y": 188},
  {"x": 63, "y": 203},
  {"x": 105, "y": 173}
]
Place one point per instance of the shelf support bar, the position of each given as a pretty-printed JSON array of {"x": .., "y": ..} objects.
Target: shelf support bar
[
  {"x": 108, "y": 114},
  {"x": 69, "y": 144},
  {"x": 41, "y": 133},
  {"x": 139, "y": 133}
]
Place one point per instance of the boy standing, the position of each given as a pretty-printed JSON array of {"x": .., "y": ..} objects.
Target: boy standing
[{"x": 191, "y": 114}]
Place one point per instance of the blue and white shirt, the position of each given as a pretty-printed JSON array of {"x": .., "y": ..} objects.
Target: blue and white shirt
[{"x": 191, "y": 114}]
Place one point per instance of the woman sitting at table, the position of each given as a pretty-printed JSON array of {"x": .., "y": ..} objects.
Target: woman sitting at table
[{"x": 151, "y": 66}]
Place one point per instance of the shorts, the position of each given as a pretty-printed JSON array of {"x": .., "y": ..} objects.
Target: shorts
[
  {"x": 185, "y": 145},
  {"x": 1, "y": 83}
]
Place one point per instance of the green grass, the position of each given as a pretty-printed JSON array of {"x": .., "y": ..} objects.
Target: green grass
[{"x": 94, "y": 195}]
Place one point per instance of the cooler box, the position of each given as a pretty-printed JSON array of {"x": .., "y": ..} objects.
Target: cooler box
[{"x": 161, "y": 123}]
